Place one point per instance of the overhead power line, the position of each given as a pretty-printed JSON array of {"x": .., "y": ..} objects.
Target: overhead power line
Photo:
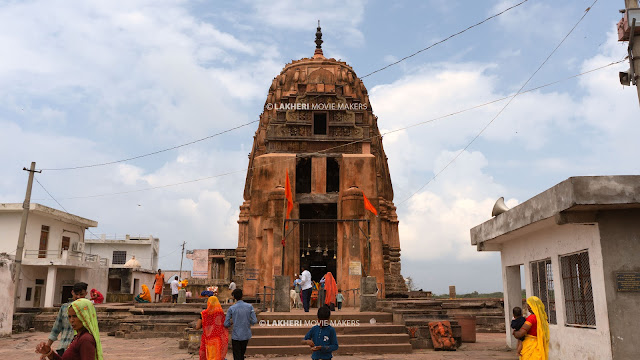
[
  {"x": 350, "y": 143},
  {"x": 446, "y": 39},
  {"x": 249, "y": 123},
  {"x": 503, "y": 108},
  {"x": 151, "y": 153}
]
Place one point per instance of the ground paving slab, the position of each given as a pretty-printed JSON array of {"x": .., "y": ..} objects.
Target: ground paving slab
[{"x": 22, "y": 346}]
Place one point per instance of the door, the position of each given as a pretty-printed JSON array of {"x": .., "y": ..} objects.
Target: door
[
  {"x": 136, "y": 286},
  {"x": 44, "y": 240},
  {"x": 66, "y": 294},
  {"x": 65, "y": 244},
  {"x": 37, "y": 293}
]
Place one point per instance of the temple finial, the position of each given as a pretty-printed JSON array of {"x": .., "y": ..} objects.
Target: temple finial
[{"x": 318, "y": 42}]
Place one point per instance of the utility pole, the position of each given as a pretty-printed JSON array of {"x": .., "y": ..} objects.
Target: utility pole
[
  {"x": 634, "y": 47},
  {"x": 182, "y": 257},
  {"x": 23, "y": 230}
]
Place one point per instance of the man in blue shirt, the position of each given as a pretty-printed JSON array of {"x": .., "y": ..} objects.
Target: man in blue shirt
[
  {"x": 322, "y": 338},
  {"x": 242, "y": 316}
]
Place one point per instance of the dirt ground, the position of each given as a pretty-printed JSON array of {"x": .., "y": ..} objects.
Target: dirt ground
[{"x": 22, "y": 346}]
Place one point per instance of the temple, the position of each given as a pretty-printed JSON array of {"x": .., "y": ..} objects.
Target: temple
[{"x": 318, "y": 128}]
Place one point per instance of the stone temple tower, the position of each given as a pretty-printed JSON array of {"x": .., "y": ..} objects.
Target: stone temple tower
[{"x": 318, "y": 126}]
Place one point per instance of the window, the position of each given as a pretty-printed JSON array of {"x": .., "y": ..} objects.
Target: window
[
  {"x": 44, "y": 240},
  {"x": 319, "y": 123},
  {"x": 542, "y": 278},
  {"x": 303, "y": 176},
  {"x": 28, "y": 296},
  {"x": 333, "y": 175},
  {"x": 119, "y": 257},
  {"x": 578, "y": 296}
]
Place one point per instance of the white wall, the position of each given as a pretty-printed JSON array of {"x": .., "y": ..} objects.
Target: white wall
[
  {"x": 143, "y": 252},
  {"x": 10, "y": 227},
  {"x": 96, "y": 278},
  {"x": 551, "y": 241},
  {"x": 143, "y": 279},
  {"x": 28, "y": 279},
  {"x": 6, "y": 295}
]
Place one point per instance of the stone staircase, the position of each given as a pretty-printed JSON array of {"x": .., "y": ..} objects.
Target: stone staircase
[
  {"x": 357, "y": 333},
  {"x": 109, "y": 317}
]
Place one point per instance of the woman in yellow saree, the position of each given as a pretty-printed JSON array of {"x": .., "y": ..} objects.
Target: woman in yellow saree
[
  {"x": 536, "y": 332},
  {"x": 215, "y": 337}
]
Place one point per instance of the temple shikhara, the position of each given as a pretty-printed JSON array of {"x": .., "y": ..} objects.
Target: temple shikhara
[{"x": 318, "y": 128}]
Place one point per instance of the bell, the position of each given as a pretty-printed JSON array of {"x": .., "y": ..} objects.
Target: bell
[
  {"x": 302, "y": 254},
  {"x": 325, "y": 252},
  {"x": 318, "y": 249}
]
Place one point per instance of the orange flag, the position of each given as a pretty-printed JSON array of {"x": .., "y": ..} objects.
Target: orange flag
[
  {"x": 368, "y": 206},
  {"x": 289, "y": 196}
]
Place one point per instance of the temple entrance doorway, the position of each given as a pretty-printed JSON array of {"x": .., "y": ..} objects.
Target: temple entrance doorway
[{"x": 318, "y": 230}]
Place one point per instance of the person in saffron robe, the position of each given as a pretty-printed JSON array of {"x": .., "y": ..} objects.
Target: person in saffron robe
[
  {"x": 535, "y": 330},
  {"x": 96, "y": 296},
  {"x": 144, "y": 296},
  {"x": 330, "y": 291},
  {"x": 215, "y": 337},
  {"x": 158, "y": 283},
  {"x": 86, "y": 344}
]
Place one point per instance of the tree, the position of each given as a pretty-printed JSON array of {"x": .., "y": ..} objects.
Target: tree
[{"x": 410, "y": 285}]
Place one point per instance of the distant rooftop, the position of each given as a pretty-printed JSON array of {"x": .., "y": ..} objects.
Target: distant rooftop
[{"x": 49, "y": 212}]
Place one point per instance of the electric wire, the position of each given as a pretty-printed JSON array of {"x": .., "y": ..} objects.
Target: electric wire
[
  {"x": 151, "y": 153},
  {"x": 349, "y": 143},
  {"x": 503, "y": 108},
  {"x": 96, "y": 236},
  {"x": 249, "y": 123},
  {"x": 445, "y": 39}
]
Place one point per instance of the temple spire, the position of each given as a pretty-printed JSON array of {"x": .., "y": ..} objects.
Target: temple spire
[{"x": 318, "y": 52}]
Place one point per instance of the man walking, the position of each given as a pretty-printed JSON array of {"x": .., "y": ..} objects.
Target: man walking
[
  {"x": 62, "y": 326},
  {"x": 305, "y": 284},
  {"x": 242, "y": 316},
  {"x": 157, "y": 286}
]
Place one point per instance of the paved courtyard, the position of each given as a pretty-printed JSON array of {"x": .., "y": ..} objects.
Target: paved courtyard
[{"x": 21, "y": 347}]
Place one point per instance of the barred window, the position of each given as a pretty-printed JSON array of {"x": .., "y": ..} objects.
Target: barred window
[
  {"x": 119, "y": 257},
  {"x": 542, "y": 277},
  {"x": 578, "y": 295}
]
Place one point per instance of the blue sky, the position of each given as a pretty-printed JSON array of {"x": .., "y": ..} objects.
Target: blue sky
[{"x": 98, "y": 81}]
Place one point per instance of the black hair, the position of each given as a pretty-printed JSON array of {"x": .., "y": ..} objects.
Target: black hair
[
  {"x": 324, "y": 313},
  {"x": 79, "y": 287},
  {"x": 517, "y": 312},
  {"x": 339, "y": 290},
  {"x": 237, "y": 294},
  {"x": 176, "y": 277}
]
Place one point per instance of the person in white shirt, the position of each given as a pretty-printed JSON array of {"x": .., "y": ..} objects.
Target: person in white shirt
[
  {"x": 232, "y": 286},
  {"x": 305, "y": 284},
  {"x": 174, "y": 289}
]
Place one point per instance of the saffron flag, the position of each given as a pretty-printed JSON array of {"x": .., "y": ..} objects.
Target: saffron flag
[
  {"x": 289, "y": 196},
  {"x": 368, "y": 206}
]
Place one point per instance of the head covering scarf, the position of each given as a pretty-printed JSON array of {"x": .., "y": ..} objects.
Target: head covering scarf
[
  {"x": 146, "y": 294},
  {"x": 86, "y": 312},
  {"x": 540, "y": 349},
  {"x": 99, "y": 298},
  {"x": 215, "y": 337},
  {"x": 330, "y": 288}
]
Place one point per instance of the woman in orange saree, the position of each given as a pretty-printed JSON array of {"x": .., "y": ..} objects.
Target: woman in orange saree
[
  {"x": 535, "y": 345},
  {"x": 331, "y": 290},
  {"x": 215, "y": 337}
]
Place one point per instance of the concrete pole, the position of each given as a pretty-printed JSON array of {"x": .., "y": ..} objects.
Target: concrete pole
[
  {"x": 23, "y": 230},
  {"x": 634, "y": 44},
  {"x": 181, "y": 258}
]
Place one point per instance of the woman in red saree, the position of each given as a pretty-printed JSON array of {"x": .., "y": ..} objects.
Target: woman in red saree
[
  {"x": 331, "y": 290},
  {"x": 96, "y": 296},
  {"x": 215, "y": 337}
]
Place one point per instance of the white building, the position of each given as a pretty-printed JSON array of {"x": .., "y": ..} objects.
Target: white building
[
  {"x": 54, "y": 256},
  {"x": 125, "y": 283},
  {"x": 577, "y": 244}
]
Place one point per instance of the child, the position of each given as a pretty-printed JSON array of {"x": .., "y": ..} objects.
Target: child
[
  {"x": 516, "y": 324},
  {"x": 339, "y": 299},
  {"x": 322, "y": 338}
]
